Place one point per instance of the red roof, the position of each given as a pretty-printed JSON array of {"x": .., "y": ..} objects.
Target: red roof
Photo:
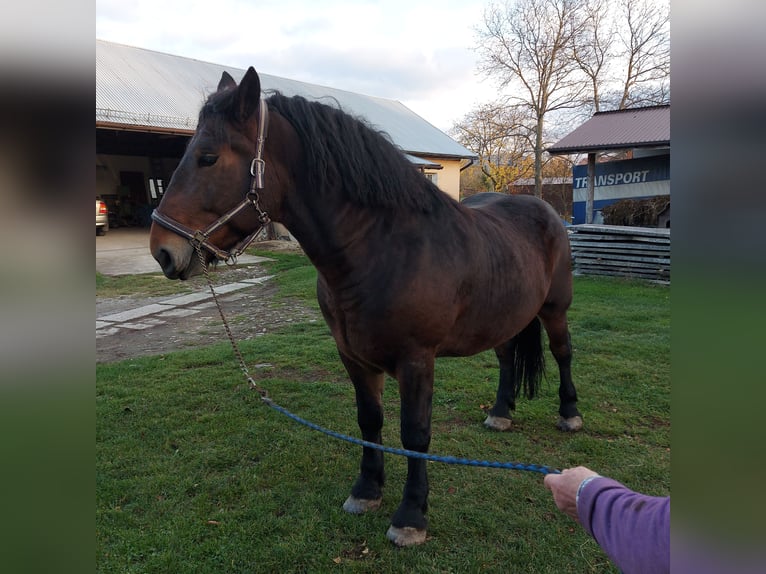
[{"x": 619, "y": 129}]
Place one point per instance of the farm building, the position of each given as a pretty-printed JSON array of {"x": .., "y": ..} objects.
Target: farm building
[
  {"x": 641, "y": 136},
  {"x": 147, "y": 104}
]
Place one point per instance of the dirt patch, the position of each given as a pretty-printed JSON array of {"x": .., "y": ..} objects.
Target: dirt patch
[{"x": 251, "y": 312}]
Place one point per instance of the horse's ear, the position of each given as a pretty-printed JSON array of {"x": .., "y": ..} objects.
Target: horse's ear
[
  {"x": 226, "y": 82},
  {"x": 249, "y": 94}
]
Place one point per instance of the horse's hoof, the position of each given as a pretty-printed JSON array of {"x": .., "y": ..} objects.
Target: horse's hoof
[
  {"x": 406, "y": 536},
  {"x": 355, "y": 505},
  {"x": 498, "y": 423},
  {"x": 572, "y": 424}
]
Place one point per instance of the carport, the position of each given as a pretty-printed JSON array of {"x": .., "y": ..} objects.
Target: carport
[{"x": 637, "y": 133}]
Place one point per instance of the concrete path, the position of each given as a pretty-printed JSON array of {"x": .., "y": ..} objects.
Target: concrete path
[
  {"x": 158, "y": 313},
  {"x": 125, "y": 251}
]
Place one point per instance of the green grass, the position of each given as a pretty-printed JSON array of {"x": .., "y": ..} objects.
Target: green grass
[
  {"x": 144, "y": 285},
  {"x": 194, "y": 474},
  {"x": 154, "y": 284}
]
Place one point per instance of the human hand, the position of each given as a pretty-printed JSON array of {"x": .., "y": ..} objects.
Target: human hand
[{"x": 564, "y": 487}]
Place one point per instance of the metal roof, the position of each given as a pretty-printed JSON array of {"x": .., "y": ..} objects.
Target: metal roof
[
  {"x": 619, "y": 129},
  {"x": 139, "y": 87},
  {"x": 421, "y": 162}
]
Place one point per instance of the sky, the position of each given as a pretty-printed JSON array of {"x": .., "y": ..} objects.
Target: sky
[{"x": 419, "y": 52}]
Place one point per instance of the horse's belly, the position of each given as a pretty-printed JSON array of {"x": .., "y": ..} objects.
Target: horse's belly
[
  {"x": 476, "y": 333},
  {"x": 467, "y": 347}
]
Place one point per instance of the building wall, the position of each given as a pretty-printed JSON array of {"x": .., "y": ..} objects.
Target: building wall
[
  {"x": 108, "y": 168},
  {"x": 447, "y": 178}
]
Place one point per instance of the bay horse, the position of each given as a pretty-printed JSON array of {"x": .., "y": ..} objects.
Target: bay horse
[{"x": 405, "y": 273}]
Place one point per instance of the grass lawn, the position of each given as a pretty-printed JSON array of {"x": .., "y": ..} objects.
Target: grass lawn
[{"x": 194, "y": 474}]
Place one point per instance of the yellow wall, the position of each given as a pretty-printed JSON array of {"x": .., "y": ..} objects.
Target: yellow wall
[{"x": 447, "y": 178}]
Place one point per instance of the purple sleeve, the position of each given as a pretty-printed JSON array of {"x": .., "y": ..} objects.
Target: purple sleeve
[{"x": 633, "y": 529}]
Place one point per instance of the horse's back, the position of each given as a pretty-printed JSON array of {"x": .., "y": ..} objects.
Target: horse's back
[
  {"x": 518, "y": 207},
  {"x": 532, "y": 232},
  {"x": 520, "y": 219}
]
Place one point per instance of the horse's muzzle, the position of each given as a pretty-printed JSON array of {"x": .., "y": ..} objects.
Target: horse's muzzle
[{"x": 174, "y": 254}]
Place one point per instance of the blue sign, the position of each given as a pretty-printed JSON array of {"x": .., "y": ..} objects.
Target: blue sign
[{"x": 623, "y": 172}]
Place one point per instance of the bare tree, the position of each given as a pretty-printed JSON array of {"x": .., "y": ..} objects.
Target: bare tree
[
  {"x": 592, "y": 46},
  {"x": 645, "y": 41},
  {"x": 500, "y": 136},
  {"x": 526, "y": 46},
  {"x": 623, "y": 51}
]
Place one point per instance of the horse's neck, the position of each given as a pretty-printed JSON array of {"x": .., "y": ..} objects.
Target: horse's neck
[
  {"x": 331, "y": 233},
  {"x": 316, "y": 222}
]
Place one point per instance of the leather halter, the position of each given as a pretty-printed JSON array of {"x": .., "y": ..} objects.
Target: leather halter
[{"x": 200, "y": 238}]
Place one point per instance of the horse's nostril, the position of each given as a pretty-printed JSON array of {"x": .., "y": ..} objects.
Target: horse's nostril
[{"x": 165, "y": 260}]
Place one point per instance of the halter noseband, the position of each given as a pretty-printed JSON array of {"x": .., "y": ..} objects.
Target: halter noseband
[{"x": 200, "y": 238}]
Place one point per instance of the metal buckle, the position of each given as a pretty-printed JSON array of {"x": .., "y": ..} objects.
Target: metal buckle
[
  {"x": 199, "y": 236},
  {"x": 257, "y": 167}
]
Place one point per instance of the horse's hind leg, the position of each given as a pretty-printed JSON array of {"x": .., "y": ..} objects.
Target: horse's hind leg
[
  {"x": 555, "y": 322},
  {"x": 367, "y": 492},
  {"x": 521, "y": 367},
  {"x": 499, "y": 417}
]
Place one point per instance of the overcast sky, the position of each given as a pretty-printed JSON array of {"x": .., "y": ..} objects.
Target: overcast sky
[{"x": 420, "y": 52}]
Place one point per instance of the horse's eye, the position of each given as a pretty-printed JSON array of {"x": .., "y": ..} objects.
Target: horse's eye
[{"x": 207, "y": 160}]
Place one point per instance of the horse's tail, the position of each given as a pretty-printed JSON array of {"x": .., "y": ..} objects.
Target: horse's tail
[{"x": 529, "y": 359}]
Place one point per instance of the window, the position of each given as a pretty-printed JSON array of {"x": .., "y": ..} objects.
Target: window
[{"x": 156, "y": 188}]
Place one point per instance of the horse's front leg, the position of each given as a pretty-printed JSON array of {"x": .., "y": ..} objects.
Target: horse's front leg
[
  {"x": 416, "y": 378},
  {"x": 367, "y": 491}
]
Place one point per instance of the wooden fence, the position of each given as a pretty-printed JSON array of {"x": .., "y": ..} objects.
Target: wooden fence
[{"x": 640, "y": 252}]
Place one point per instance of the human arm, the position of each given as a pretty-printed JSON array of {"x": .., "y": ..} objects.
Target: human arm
[
  {"x": 565, "y": 488},
  {"x": 633, "y": 529}
]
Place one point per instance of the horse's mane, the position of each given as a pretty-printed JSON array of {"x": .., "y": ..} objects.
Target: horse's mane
[{"x": 343, "y": 152}]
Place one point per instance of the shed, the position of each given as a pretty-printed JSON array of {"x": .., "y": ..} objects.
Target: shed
[{"x": 643, "y": 133}]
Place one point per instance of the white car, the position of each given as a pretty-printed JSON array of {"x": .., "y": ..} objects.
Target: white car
[{"x": 102, "y": 217}]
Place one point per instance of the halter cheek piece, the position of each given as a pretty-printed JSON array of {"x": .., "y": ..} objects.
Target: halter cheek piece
[{"x": 257, "y": 170}]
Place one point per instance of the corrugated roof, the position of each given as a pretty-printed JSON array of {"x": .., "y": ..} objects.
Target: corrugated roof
[
  {"x": 140, "y": 87},
  {"x": 619, "y": 129},
  {"x": 421, "y": 162}
]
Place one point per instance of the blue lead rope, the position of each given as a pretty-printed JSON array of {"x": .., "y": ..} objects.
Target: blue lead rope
[
  {"x": 412, "y": 453},
  {"x": 399, "y": 451}
]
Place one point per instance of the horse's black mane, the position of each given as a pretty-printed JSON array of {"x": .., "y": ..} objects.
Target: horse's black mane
[{"x": 343, "y": 152}]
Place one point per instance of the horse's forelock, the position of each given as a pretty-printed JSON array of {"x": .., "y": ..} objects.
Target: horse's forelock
[
  {"x": 220, "y": 104},
  {"x": 218, "y": 110}
]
